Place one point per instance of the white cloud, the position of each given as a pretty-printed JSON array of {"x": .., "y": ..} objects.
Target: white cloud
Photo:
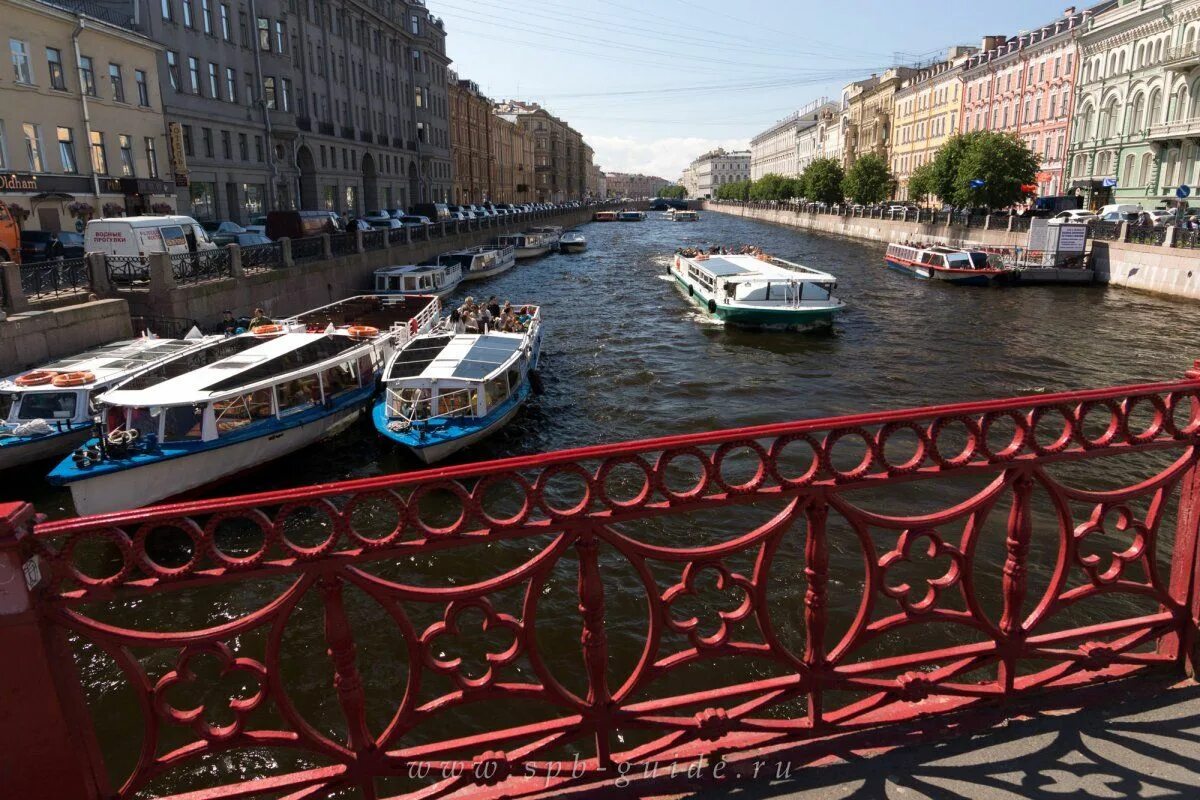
[{"x": 663, "y": 157}]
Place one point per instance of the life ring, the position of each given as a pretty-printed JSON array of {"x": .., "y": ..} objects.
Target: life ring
[
  {"x": 73, "y": 379},
  {"x": 39, "y": 377},
  {"x": 712, "y": 306},
  {"x": 267, "y": 330},
  {"x": 363, "y": 332}
]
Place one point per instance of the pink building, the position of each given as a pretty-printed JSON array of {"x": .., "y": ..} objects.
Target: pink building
[{"x": 1025, "y": 85}]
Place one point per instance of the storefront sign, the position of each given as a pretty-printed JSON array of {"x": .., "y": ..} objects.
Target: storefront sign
[
  {"x": 132, "y": 186},
  {"x": 14, "y": 182},
  {"x": 178, "y": 156},
  {"x": 25, "y": 182}
]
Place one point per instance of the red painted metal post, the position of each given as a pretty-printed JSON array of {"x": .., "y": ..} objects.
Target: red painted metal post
[
  {"x": 816, "y": 605},
  {"x": 44, "y": 753},
  {"x": 595, "y": 645},
  {"x": 1014, "y": 586},
  {"x": 1185, "y": 560}
]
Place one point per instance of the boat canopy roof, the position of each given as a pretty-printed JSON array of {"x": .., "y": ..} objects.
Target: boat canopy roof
[
  {"x": 462, "y": 357},
  {"x": 378, "y": 311},
  {"x": 111, "y": 361},
  {"x": 752, "y": 268},
  {"x": 234, "y": 366}
]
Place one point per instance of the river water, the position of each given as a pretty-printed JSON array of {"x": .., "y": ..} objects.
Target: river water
[{"x": 627, "y": 356}]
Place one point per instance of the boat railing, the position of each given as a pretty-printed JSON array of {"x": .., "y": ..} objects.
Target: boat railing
[{"x": 397, "y": 405}]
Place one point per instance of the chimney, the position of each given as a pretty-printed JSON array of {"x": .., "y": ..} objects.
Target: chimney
[{"x": 1069, "y": 12}]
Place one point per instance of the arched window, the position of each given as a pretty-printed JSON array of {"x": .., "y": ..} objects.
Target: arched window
[
  {"x": 1121, "y": 63},
  {"x": 1127, "y": 173},
  {"x": 1140, "y": 58},
  {"x": 1144, "y": 172},
  {"x": 1158, "y": 51},
  {"x": 1137, "y": 121},
  {"x": 1083, "y": 124},
  {"x": 1113, "y": 120},
  {"x": 1181, "y": 104},
  {"x": 1154, "y": 115}
]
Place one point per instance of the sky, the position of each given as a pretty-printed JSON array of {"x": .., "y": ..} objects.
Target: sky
[{"x": 651, "y": 84}]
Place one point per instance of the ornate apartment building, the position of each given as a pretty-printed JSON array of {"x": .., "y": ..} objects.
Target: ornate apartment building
[
  {"x": 867, "y": 122},
  {"x": 81, "y": 122},
  {"x": 626, "y": 184},
  {"x": 927, "y": 111},
  {"x": 714, "y": 169},
  {"x": 561, "y": 157},
  {"x": 791, "y": 144},
  {"x": 493, "y": 156}
]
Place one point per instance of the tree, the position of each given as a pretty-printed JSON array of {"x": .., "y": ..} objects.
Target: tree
[
  {"x": 770, "y": 187},
  {"x": 672, "y": 192},
  {"x": 984, "y": 168},
  {"x": 736, "y": 190},
  {"x": 822, "y": 181},
  {"x": 945, "y": 165},
  {"x": 868, "y": 180},
  {"x": 922, "y": 183}
]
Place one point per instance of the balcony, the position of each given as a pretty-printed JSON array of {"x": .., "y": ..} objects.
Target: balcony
[
  {"x": 1179, "y": 129},
  {"x": 366, "y": 137},
  {"x": 348, "y": 133},
  {"x": 1183, "y": 57},
  {"x": 304, "y": 124},
  {"x": 325, "y": 128},
  {"x": 381, "y": 138}
]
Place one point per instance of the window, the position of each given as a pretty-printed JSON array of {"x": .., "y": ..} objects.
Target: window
[
  {"x": 264, "y": 34},
  {"x": 3, "y": 147},
  {"x": 151, "y": 157},
  {"x": 227, "y": 144},
  {"x": 269, "y": 92},
  {"x": 285, "y": 94},
  {"x": 87, "y": 76},
  {"x": 22, "y": 69},
  {"x": 99, "y": 156},
  {"x": 194, "y": 74},
  {"x": 258, "y": 148},
  {"x": 206, "y": 16},
  {"x": 187, "y": 13},
  {"x": 225, "y": 25},
  {"x": 66, "y": 151},
  {"x": 187, "y": 140},
  {"x": 214, "y": 84},
  {"x": 126, "y": 145},
  {"x": 58, "y": 79},
  {"x": 230, "y": 84},
  {"x": 415, "y": 22},
  {"x": 168, "y": 13},
  {"x": 118, "y": 85},
  {"x": 206, "y": 138},
  {"x": 173, "y": 68},
  {"x": 243, "y": 148},
  {"x": 280, "y": 36},
  {"x": 33, "y": 147},
  {"x": 48, "y": 405}
]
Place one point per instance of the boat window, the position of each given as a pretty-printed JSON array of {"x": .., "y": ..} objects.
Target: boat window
[
  {"x": 338, "y": 380},
  {"x": 495, "y": 390},
  {"x": 979, "y": 260},
  {"x": 298, "y": 394},
  {"x": 457, "y": 403},
  {"x": 410, "y": 283},
  {"x": 958, "y": 261},
  {"x": 514, "y": 374},
  {"x": 142, "y": 421},
  {"x": 242, "y": 410},
  {"x": 366, "y": 371},
  {"x": 184, "y": 423},
  {"x": 409, "y": 403},
  {"x": 48, "y": 405},
  {"x": 6, "y": 404}
]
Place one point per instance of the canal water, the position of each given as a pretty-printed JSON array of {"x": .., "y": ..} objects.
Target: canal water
[{"x": 626, "y": 356}]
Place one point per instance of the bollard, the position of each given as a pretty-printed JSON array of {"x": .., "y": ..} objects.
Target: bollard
[
  {"x": 1169, "y": 237},
  {"x": 987, "y": 222},
  {"x": 236, "y": 270},
  {"x": 162, "y": 276},
  {"x": 1123, "y": 235},
  {"x": 98, "y": 275},
  {"x": 285, "y": 252},
  {"x": 358, "y": 241},
  {"x": 11, "y": 275}
]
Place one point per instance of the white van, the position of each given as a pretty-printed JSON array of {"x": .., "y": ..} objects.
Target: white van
[
  {"x": 1119, "y": 212},
  {"x": 141, "y": 236}
]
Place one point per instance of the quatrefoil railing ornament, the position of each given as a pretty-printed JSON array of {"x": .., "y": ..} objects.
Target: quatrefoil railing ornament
[
  {"x": 196, "y": 717},
  {"x": 1126, "y": 522},
  {"x": 450, "y": 627},
  {"x": 726, "y": 582},
  {"x": 906, "y": 549}
]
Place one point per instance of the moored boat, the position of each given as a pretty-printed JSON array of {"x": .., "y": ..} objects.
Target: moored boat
[
  {"x": 572, "y": 241},
  {"x": 526, "y": 245},
  {"x": 483, "y": 261},
  {"x": 684, "y": 215},
  {"x": 419, "y": 279},
  {"x": 629, "y": 215},
  {"x": 604, "y": 216},
  {"x": 551, "y": 233},
  {"x": 955, "y": 265},
  {"x": 47, "y": 412},
  {"x": 445, "y": 391},
  {"x": 237, "y": 403},
  {"x": 758, "y": 291}
]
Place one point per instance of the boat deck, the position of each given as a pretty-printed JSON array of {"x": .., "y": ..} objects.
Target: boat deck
[{"x": 377, "y": 311}]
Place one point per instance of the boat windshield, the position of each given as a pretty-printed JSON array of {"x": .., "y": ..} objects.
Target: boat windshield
[
  {"x": 415, "y": 404},
  {"x": 980, "y": 260},
  {"x": 48, "y": 405},
  {"x": 958, "y": 261},
  {"x": 6, "y": 404}
]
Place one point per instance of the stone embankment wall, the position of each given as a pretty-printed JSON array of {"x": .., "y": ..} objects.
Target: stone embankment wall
[
  {"x": 1160, "y": 269},
  {"x": 34, "y": 337}
]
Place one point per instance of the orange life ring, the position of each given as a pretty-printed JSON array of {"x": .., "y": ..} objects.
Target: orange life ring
[
  {"x": 267, "y": 330},
  {"x": 73, "y": 379},
  {"x": 363, "y": 332},
  {"x": 39, "y": 377}
]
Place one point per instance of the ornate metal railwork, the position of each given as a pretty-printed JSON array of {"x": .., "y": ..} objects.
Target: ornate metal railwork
[
  {"x": 55, "y": 277},
  {"x": 978, "y": 551}
]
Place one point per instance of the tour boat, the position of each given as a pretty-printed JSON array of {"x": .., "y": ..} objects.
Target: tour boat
[
  {"x": 629, "y": 215},
  {"x": 950, "y": 264},
  {"x": 237, "y": 403},
  {"x": 444, "y": 391},
  {"x": 483, "y": 261},
  {"x": 47, "y": 412},
  {"x": 604, "y": 216},
  {"x": 551, "y": 233},
  {"x": 758, "y": 291},
  {"x": 683, "y": 215},
  {"x": 419, "y": 279},
  {"x": 572, "y": 241},
  {"x": 527, "y": 245}
]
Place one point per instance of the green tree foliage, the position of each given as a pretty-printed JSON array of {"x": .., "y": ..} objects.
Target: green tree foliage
[
  {"x": 774, "y": 187},
  {"x": 1002, "y": 161},
  {"x": 737, "y": 190},
  {"x": 868, "y": 180},
  {"x": 922, "y": 184},
  {"x": 673, "y": 192},
  {"x": 822, "y": 181}
]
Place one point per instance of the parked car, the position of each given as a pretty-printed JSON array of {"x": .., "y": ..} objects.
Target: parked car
[
  {"x": 384, "y": 222},
  {"x": 41, "y": 245},
  {"x": 357, "y": 224},
  {"x": 1161, "y": 217},
  {"x": 248, "y": 239},
  {"x": 1077, "y": 215},
  {"x": 435, "y": 212},
  {"x": 301, "y": 224},
  {"x": 414, "y": 221},
  {"x": 221, "y": 226}
]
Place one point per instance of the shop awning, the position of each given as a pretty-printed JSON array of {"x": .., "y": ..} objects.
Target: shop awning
[{"x": 53, "y": 196}]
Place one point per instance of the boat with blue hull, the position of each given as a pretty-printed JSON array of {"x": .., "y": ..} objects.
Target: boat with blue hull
[
  {"x": 47, "y": 412},
  {"x": 955, "y": 265},
  {"x": 445, "y": 391},
  {"x": 239, "y": 402}
]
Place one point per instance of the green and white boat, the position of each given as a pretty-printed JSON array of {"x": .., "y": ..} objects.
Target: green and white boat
[{"x": 758, "y": 291}]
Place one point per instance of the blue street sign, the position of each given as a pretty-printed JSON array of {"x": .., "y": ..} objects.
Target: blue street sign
[
  {"x": 1108, "y": 183},
  {"x": 1183, "y": 191},
  {"x": 79, "y": 226},
  {"x": 977, "y": 183}
]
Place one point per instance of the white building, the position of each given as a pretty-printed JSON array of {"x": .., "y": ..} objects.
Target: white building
[
  {"x": 789, "y": 145},
  {"x": 717, "y": 168}
]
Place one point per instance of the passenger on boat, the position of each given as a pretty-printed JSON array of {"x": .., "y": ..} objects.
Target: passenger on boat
[
  {"x": 260, "y": 318},
  {"x": 493, "y": 306},
  {"x": 229, "y": 325},
  {"x": 456, "y": 321}
]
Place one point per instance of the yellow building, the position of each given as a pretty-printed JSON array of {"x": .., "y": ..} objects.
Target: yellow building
[
  {"x": 81, "y": 122},
  {"x": 926, "y": 113}
]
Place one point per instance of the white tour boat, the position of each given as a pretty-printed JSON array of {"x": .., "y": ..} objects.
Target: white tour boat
[
  {"x": 758, "y": 291},
  {"x": 572, "y": 241},
  {"x": 479, "y": 262},
  {"x": 551, "y": 233},
  {"x": 424, "y": 279},
  {"x": 527, "y": 245},
  {"x": 684, "y": 215},
  {"x": 47, "y": 412},
  {"x": 445, "y": 391},
  {"x": 239, "y": 402}
]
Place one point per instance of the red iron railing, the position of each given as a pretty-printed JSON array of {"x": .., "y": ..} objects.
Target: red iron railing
[{"x": 736, "y": 591}]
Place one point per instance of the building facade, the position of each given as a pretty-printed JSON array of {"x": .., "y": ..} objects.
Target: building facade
[
  {"x": 927, "y": 109},
  {"x": 511, "y": 162},
  {"x": 597, "y": 185},
  {"x": 81, "y": 122},
  {"x": 867, "y": 124},
  {"x": 789, "y": 145},
  {"x": 688, "y": 180},
  {"x": 470, "y": 141},
  {"x": 716, "y": 168},
  {"x": 1135, "y": 134},
  {"x": 626, "y": 184},
  {"x": 561, "y": 159}
]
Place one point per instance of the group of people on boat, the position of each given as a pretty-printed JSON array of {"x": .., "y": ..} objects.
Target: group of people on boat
[
  {"x": 473, "y": 317},
  {"x": 721, "y": 250},
  {"x": 232, "y": 326}
]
